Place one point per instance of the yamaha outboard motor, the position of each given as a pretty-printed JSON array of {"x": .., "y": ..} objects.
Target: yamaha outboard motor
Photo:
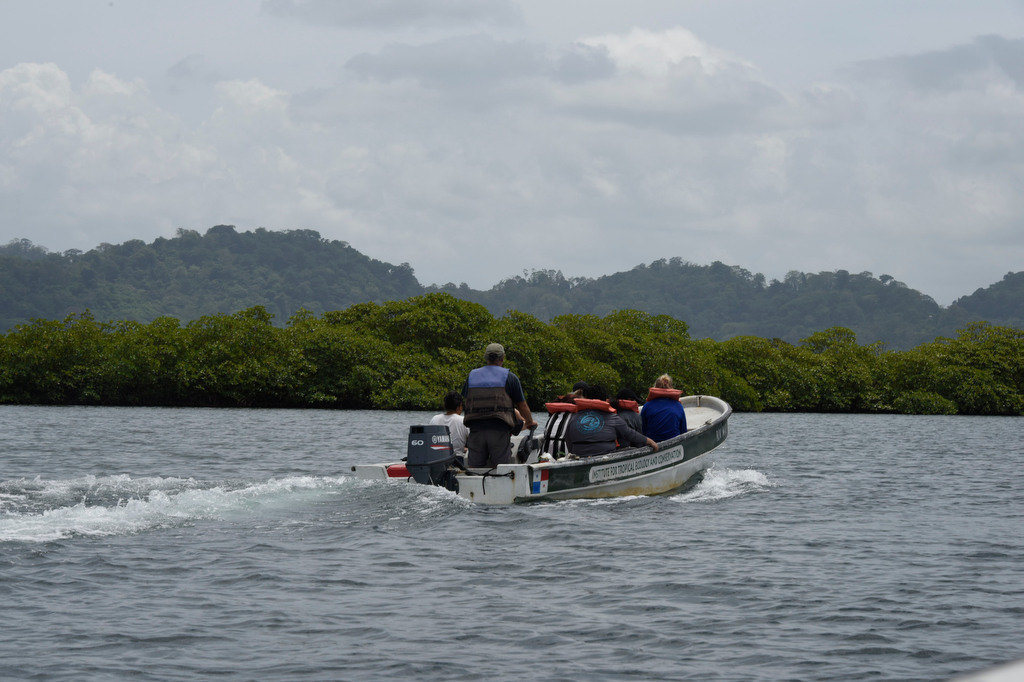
[{"x": 429, "y": 456}]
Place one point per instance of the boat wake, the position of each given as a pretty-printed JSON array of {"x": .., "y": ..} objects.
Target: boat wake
[
  {"x": 721, "y": 484},
  {"x": 43, "y": 510}
]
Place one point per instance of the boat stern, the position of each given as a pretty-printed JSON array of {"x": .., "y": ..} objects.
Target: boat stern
[{"x": 505, "y": 484}]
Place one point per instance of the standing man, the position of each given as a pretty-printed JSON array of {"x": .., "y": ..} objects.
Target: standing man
[{"x": 492, "y": 396}]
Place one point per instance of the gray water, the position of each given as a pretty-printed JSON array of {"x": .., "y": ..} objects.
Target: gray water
[{"x": 178, "y": 543}]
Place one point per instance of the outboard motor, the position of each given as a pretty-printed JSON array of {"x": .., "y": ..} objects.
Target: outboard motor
[{"x": 430, "y": 454}]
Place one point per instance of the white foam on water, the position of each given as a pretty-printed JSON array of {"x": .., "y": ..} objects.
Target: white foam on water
[
  {"x": 421, "y": 501},
  {"x": 435, "y": 498},
  {"x": 617, "y": 500},
  {"x": 721, "y": 484},
  {"x": 600, "y": 501},
  {"x": 717, "y": 484},
  {"x": 141, "y": 504}
]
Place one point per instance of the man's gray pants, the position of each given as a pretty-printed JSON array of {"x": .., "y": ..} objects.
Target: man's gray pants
[{"x": 489, "y": 447}]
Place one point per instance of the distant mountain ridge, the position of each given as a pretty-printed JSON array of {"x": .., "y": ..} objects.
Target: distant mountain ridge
[
  {"x": 720, "y": 301},
  {"x": 1000, "y": 303},
  {"x": 192, "y": 275},
  {"x": 224, "y": 270}
]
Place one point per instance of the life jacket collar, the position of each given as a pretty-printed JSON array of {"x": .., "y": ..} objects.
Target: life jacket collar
[
  {"x": 672, "y": 393},
  {"x": 627, "y": 406},
  {"x": 488, "y": 376},
  {"x": 592, "y": 404},
  {"x": 553, "y": 408}
]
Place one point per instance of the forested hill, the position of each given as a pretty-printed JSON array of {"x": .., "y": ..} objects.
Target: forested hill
[
  {"x": 721, "y": 301},
  {"x": 1001, "y": 303},
  {"x": 192, "y": 275},
  {"x": 223, "y": 271}
]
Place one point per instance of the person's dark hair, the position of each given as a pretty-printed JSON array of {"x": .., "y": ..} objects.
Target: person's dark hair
[
  {"x": 627, "y": 394},
  {"x": 452, "y": 400},
  {"x": 595, "y": 392},
  {"x": 579, "y": 385}
]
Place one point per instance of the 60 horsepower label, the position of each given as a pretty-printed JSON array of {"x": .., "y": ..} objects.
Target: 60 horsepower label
[{"x": 607, "y": 472}]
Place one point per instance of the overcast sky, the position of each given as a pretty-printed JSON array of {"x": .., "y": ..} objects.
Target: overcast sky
[{"x": 476, "y": 139}]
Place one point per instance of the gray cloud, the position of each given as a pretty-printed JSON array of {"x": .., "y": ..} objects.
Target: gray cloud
[
  {"x": 580, "y": 63},
  {"x": 482, "y": 61},
  {"x": 953, "y": 68},
  {"x": 686, "y": 106},
  {"x": 195, "y": 68},
  {"x": 391, "y": 14},
  {"x": 690, "y": 94},
  {"x": 464, "y": 60}
]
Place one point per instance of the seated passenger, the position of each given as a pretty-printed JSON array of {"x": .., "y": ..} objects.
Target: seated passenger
[
  {"x": 663, "y": 416},
  {"x": 452, "y": 418},
  {"x": 626, "y": 404},
  {"x": 595, "y": 428},
  {"x": 559, "y": 411}
]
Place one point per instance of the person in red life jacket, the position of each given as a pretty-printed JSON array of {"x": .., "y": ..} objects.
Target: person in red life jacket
[
  {"x": 663, "y": 416},
  {"x": 493, "y": 394},
  {"x": 595, "y": 428},
  {"x": 560, "y": 410},
  {"x": 626, "y": 403}
]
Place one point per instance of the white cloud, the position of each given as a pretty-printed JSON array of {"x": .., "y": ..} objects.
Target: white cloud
[
  {"x": 243, "y": 98},
  {"x": 89, "y": 162},
  {"x": 101, "y": 84},
  {"x": 36, "y": 84},
  {"x": 660, "y": 53}
]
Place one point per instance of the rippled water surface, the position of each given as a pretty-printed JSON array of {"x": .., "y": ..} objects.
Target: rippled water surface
[{"x": 171, "y": 543}]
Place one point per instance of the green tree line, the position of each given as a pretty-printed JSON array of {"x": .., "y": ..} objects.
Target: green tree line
[
  {"x": 407, "y": 354},
  {"x": 225, "y": 270}
]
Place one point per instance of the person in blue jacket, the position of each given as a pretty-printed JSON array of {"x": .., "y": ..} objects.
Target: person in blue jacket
[{"x": 662, "y": 415}]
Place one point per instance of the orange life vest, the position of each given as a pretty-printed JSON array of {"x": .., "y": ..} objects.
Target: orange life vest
[
  {"x": 552, "y": 408},
  {"x": 592, "y": 404},
  {"x": 627, "y": 405},
  {"x": 673, "y": 393}
]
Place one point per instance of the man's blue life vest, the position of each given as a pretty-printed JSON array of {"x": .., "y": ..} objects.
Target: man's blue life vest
[{"x": 486, "y": 397}]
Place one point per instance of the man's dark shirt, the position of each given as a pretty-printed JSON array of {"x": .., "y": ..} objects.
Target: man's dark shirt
[{"x": 593, "y": 432}]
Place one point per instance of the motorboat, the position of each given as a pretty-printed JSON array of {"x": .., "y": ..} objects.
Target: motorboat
[{"x": 534, "y": 477}]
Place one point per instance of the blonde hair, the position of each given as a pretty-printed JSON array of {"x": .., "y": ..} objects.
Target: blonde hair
[{"x": 664, "y": 381}]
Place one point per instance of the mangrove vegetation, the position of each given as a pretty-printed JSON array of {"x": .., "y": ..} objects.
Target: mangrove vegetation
[{"x": 407, "y": 354}]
